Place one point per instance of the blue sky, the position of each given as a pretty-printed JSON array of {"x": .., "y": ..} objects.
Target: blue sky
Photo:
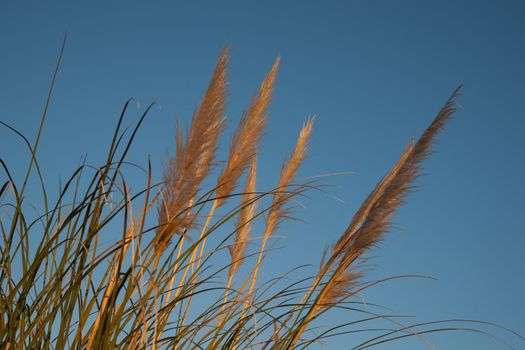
[{"x": 373, "y": 72}]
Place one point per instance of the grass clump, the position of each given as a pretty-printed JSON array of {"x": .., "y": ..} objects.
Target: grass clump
[{"x": 155, "y": 287}]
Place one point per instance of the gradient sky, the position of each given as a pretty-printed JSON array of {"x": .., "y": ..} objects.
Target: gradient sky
[{"x": 373, "y": 72}]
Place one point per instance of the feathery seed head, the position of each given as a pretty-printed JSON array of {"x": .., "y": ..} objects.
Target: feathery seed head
[
  {"x": 246, "y": 215},
  {"x": 247, "y": 137},
  {"x": 194, "y": 156},
  {"x": 288, "y": 173}
]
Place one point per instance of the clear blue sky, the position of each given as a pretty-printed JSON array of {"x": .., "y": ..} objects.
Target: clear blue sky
[{"x": 374, "y": 73}]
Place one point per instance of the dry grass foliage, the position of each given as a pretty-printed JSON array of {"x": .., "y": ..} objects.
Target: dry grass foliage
[{"x": 63, "y": 286}]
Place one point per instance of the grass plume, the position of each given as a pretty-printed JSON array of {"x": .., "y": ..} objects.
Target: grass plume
[
  {"x": 373, "y": 219},
  {"x": 246, "y": 140},
  {"x": 194, "y": 155},
  {"x": 243, "y": 225}
]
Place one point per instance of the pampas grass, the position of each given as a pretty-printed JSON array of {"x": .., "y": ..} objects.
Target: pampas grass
[{"x": 63, "y": 287}]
